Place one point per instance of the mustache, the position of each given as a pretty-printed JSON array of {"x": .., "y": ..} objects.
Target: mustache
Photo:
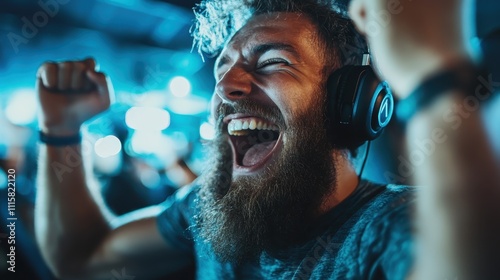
[{"x": 249, "y": 107}]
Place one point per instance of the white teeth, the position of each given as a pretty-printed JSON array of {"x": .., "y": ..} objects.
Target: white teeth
[
  {"x": 253, "y": 125},
  {"x": 240, "y": 128}
]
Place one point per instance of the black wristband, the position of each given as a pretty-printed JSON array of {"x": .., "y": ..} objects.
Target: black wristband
[
  {"x": 462, "y": 77},
  {"x": 60, "y": 140}
]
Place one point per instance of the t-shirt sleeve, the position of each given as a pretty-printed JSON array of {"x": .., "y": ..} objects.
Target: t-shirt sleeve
[
  {"x": 391, "y": 242},
  {"x": 176, "y": 219}
]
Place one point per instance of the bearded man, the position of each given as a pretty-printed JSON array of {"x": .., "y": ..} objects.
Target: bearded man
[{"x": 280, "y": 198}]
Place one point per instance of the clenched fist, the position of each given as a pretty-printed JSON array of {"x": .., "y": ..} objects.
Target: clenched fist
[
  {"x": 70, "y": 93},
  {"x": 411, "y": 40}
]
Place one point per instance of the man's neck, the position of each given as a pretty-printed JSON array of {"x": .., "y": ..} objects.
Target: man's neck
[{"x": 346, "y": 182}]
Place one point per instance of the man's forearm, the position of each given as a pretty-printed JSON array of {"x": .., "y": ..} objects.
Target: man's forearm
[
  {"x": 458, "y": 215},
  {"x": 68, "y": 222}
]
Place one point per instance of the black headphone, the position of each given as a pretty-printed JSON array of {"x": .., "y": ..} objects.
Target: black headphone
[{"x": 359, "y": 105}]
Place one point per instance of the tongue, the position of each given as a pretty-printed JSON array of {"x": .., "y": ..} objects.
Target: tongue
[{"x": 257, "y": 153}]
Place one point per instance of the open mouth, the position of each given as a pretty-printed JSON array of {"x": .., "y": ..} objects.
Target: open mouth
[{"x": 254, "y": 141}]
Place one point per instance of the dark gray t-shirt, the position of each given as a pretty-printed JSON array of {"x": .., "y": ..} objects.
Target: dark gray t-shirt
[{"x": 367, "y": 236}]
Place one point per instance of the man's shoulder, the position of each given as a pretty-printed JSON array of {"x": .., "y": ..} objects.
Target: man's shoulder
[
  {"x": 357, "y": 235},
  {"x": 386, "y": 219},
  {"x": 177, "y": 217},
  {"x": 372, "y": 211},
  {"x": 379, "y": 229},
  {"x": 392, "y": 196},
  {"x": 181, "y": 204},
  {"x": 376, "y": 197},
  {"x": 370, "y": 207},
  {"x": 389, "y": 202},
  {"x": 185, "y": 195}
]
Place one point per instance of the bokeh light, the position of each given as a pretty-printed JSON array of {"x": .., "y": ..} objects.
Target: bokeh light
[
  {"x": 192, "y": 105},
  {"x": 207, "y": 131},
  {"x": 179, "y": 86},
  {"x": 21, "y": 108},
  {"x": 154, "y": 143},
  {"x": 150, "y": 178},
  {"x": 147, "y": 118},
  {"x": 107, "y": 146}
]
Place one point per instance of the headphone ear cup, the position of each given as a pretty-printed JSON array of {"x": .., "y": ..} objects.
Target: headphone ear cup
[
  {"x": 359, "y": 106},
  {"x": 335, "y": 89}
]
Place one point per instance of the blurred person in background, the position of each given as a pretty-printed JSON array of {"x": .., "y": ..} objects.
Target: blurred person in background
[{"x": 279, "y": 199}]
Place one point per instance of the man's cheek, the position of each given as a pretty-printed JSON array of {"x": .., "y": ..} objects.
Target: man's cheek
[{"x": 300, "y": 101}]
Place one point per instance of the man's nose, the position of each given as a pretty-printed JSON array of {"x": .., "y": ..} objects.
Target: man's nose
[{"x": 235, "y": 84}]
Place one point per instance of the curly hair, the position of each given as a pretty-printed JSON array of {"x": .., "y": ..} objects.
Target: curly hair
[{"x": 218, "y": 20}]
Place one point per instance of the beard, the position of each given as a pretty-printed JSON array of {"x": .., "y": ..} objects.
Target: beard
[{"x": 272, "y": 210}]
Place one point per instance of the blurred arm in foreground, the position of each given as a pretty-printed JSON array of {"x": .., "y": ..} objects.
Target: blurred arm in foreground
[{"x": 458, "y": 212}]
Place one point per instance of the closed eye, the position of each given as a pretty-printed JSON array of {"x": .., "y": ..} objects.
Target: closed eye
[{"x": 272, "y": 61}]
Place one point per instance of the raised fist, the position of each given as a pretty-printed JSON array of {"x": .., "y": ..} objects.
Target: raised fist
[
  {"x": 411, "y": 40},
  {"x": 70, "y": 93}
]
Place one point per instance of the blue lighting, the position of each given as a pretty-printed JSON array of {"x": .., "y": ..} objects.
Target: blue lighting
[{"x": 3, "y": 179}]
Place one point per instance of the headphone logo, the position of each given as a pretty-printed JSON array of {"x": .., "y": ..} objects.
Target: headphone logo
[{"x": 385, "y": 112}]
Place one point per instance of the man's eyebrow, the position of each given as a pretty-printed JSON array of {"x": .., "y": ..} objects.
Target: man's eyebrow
[{"x": 261, "y": 49}]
